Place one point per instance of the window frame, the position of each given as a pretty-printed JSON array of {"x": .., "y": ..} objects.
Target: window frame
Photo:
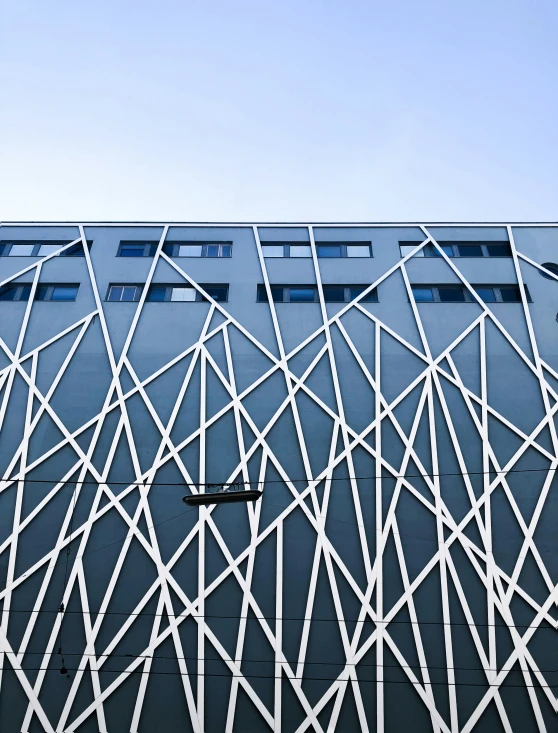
[
  {"x": 261, "y": 293},
  {"x": 343, "y": 249},
  {"x": 149, "y": 248},
  {"x": 50, "y": 288},
  {"x": 497, "y": 289},
  {"x": 429, "y": 250},
  {"x": 7, "y": 244},
  {"x": 174, "y": 248},
  {"x": 169, "y": 287},
  {"x": 137, "y": 295}
]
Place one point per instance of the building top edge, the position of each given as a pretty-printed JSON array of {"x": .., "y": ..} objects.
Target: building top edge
[{"x": 275, "y": 223}]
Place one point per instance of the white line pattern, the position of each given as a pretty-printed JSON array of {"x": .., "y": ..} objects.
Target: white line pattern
[{"x": 366, "y": 620}]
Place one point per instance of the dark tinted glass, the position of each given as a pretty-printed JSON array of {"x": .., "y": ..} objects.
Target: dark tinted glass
[
  {"x": 301, "y": 295},
  {"x": 41, "y": 292},
  {"x": 75, "y": 251},
  {"x": 25, "y": 292},
  {"x": 329, "y": 250},
  {"x": 132, "y": 250},
  {"x": 486, "y": 294},
  {"x": 64, "y": 292},
  {"x": 451, "y": 295},
  {"x": 212, "y": 250},
  {"x": 334, "y": 295},
  {"x": 217, "y": 292},
  {"x": 552, "y": 268},
  {"x": 115, "y": 293},
  {"x": 498, "y": 250},
  {"x": 277, "y": 293},
  {"x": 470, "y": 250},
  {"x": 510, "y": 294},
  {"x": 8, "y": 292},
  {"x": 423, "y": 295},
  {"x": 157, "y": 293},
  {"x": 225, "y": 250},
  {"x": 371, "y": 297}
]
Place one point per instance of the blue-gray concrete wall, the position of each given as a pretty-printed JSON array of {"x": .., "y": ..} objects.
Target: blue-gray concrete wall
[{"x": 399, "y": 572}]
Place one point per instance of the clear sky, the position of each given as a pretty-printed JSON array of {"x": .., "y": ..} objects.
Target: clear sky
[{"x": 287, "y": 110}]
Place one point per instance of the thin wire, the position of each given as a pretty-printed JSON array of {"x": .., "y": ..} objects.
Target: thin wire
[
  {"x": 281, "y": 481},
  {"x": 273, "y": 661},
  {"x": 286, "y": 678},
  {"x": 294, "y": 618}
]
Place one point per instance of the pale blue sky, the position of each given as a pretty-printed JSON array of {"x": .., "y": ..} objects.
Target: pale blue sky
[{"x": 280, "y": 111}]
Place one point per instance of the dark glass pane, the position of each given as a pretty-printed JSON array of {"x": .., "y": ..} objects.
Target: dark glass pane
[
  {"x": 217, "y": 292},
  {"x": 372, "y": 296},
  {"x": 132, "y": 250},
  {"x": 423, "y": 295},
  {"x": 470, "y": 250},
  {"x": 2, "y": 248},
  {"x": 334, "y": 295},
  {"x": 157, "y": 293},
  {"x": 64, "y": 292},
  {"x": 152, "y": 250},
  {"x": 226, "y": 250},
  {"x": 168, "y": 249},
  {"x": 510, "y": 294},
  {"x": 329, "y": 250},
  {"x": 128, "y": 293},
  {"x": 75, "y": 251},
  {"x": 7, "y": 292},
  {"x": 277, "y": 293},
  {"x": 41, "y": 292},
  {"x": 301, "y": 295},
  {"x": 498, "y": 250},
  {"x": 486, "y": 294},
  {"x": 451, "y": 295},
  {"x": 115, "y": 293},
  {"x": 25, "y": 292},
  {"x": 212, "y": 250}
]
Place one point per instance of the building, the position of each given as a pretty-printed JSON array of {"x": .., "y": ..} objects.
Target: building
[{"x": 392, "y": 389}]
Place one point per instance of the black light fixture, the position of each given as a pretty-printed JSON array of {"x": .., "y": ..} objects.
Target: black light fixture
[{"x": 226, "y": 494}]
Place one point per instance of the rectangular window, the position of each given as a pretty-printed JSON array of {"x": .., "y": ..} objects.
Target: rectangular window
[
  {"x": 300, "y": 250},
  {"x": 186, "y": 293},
  {"x": 15, "y": 292},
  {"x": 310, "y": 294},
  {"x": 461, "y": 294},
  {"x": 137, "y": 249},
  {"x": 124, "y": 293},
  {"x": 273, "y": 250},
  {"x": 458, "y": 249},
  {"x": 198, "y": 249},
  {"x": 45, "y": 291},
  {"x": 39, "y": 249},
  {"x": 344, "y": 249}
]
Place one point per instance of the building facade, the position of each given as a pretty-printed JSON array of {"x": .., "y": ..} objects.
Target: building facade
[{"x": 393, "y": 391}]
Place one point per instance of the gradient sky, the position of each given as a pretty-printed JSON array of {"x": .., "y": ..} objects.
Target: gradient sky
[{"x": 279, "y": 111}]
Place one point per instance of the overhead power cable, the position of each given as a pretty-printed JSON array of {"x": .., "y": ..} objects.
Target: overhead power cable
[{"x": 189, "y": 484}]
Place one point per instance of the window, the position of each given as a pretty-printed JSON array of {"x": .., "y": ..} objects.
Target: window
[
  {"x": 39, "y": 249},
  {"x": 323, "y": 249},
  {"x": 551, "y": 267},
  {"x": 198, "y": 249},
  {"x": 137, "y": 249},
  {"x": 186, "y": 293},
  {"x": 310, "y": 294},
  {"x": 458, "y": 249},
  {"x": 124, "y": 293},
  {"x": 460, "y": 294},
  {"x": 56, "y": 292},
  {"x": 44, "y": 291}
]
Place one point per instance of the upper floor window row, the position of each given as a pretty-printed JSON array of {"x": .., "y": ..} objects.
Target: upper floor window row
[
  {"x": 310, "y": 294},
  {"x": 176, "y": 249},
  {"x": 44, "y": 291},
  {"x": 460, "y": 294},
  {"x": 459, "y": 249},
  {"x": 39, "y": 249},
  {"x": 323, "y": 249},
  {"x": 157, "y": 293}
]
